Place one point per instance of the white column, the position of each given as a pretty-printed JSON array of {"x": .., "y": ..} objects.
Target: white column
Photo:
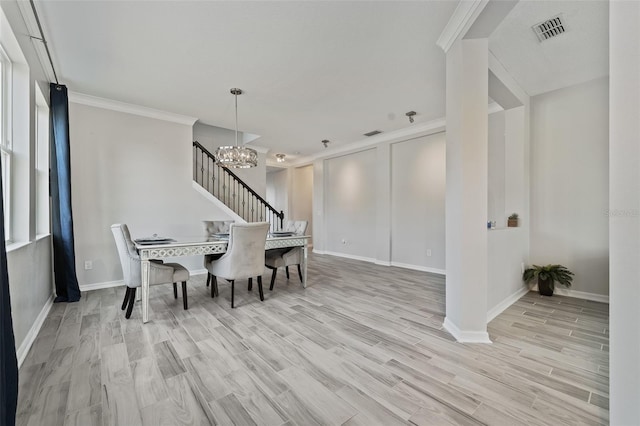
[
  {"x": 624, "y": 211},
  {"x": 466, "y": 195}
]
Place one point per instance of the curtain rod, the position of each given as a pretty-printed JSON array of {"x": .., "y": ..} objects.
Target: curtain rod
[{"x": 42, "y": 39}]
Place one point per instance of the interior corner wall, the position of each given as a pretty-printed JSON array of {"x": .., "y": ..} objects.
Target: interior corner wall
[
  {"x": 570, "y": 182},
  {"x": 212, "y": 137},
  {"x": 130, "y": 169},
  {"x": 418, "y": 175}
]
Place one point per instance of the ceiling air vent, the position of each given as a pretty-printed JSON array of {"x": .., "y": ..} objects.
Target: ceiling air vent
[
  {"x": 373, "y": 133},
  {"x": 550, "y": 28}
]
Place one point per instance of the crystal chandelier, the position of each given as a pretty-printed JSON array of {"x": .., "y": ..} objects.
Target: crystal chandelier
[{"x": 239, "y": 157}]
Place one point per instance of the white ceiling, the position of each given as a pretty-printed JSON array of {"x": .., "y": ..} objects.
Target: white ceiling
[
  {"x": 579, "y": 55},
  {"x": 310, "y": 70}
]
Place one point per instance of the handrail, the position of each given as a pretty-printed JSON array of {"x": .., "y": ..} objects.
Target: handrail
[
  {"x": 257, "y": 196},
  {"x": 254, "y": 193}
]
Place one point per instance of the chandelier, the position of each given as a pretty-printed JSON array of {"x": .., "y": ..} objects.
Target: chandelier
[{"x": 239, "y": 157}]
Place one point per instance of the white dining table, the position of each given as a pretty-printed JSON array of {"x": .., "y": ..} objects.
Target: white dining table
[{"x": 199, "y": 246}]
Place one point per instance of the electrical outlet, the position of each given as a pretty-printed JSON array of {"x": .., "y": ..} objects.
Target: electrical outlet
[
  {"x": 88, "y": 264},
  {"x": 522, "y": 268},
  {"x": 428, "y": 252}
]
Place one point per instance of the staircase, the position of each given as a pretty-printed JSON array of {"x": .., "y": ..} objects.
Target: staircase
[{"x": 223, "y": 184}]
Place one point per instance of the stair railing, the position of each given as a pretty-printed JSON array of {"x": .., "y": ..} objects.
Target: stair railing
[{"x": 223, "y": 184}]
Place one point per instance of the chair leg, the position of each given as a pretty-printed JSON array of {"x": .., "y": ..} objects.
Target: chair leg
[
  {"x": 273, "y": 278},
  {"x": 214, "y": 286},
  {"x": 132, "y": 299},
  {"x": 260, "y": 287},
  {"x": 300, "y": 272},
  {"x": 175, "y": 290},
  {"x": 184, "y": 295},
  {"x": 287, "y": 269},
  {"x": 232, "y": 285},
  {"x": 214, "y": 283},
  {"x": 208, "y": 278},
  {"x": 250, "y": 285},
  {"x": 126, "y": 298}
]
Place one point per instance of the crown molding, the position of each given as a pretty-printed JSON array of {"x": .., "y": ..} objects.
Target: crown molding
[
  {"x": 405, "y": 133},
  {"x": 94, "y": 101},
  {"x": 463, "y": 17}
]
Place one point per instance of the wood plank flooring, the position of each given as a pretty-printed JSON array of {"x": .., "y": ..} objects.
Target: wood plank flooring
[{"x": 362, "y": 345}]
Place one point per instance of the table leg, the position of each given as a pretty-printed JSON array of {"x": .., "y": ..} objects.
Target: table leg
[
  {"x": 304, "y": 266},
  {"x": 146, "y": 269}
]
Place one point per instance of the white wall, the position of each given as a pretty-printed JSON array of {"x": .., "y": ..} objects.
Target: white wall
[
  {"x": 211, "y": 137},
  {"x": 624, "y": 205},
  {"x": 417, "y": 202},
  {"x": 496, "y": 171},
  {"x": 302, "y": 197},
  {"x": 508, "y": 248},
  {"x": 130, "y": 169},
  {"x": 350, "y": 204},
  {"x": 570, "y": 182},
  {"x": 31, "y": 286},
  {"x": 277, "y": 190}
]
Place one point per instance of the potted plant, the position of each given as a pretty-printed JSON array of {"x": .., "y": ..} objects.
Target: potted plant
[
  {"x": 547, "y": 276},
  {"x": 512, "y": 222}
]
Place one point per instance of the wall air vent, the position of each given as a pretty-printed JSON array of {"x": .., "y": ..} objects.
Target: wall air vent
[
  {"x": 550, "y": 28},
  {"x": 373, "y": 133}
]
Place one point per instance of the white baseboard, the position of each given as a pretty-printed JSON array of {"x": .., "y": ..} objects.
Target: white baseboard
[
  {"x": 602, "y": 298},
  {"x": 508, "y": 301},
  {"x": 351, "y": 256},
  {"x": 582, "y": 295},
  {"x": 23, "y": 350},
  {"x": 98, "y": 286},
  {"x": 465, "y": 336},
  {"x": 419, "y": 268},
  {"x": 383, "y": 262}
]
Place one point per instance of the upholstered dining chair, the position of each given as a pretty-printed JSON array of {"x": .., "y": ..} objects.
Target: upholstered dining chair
[
  {"x": 211, "y": 228},
  {"x": 159, "y": 273},
  {"x": 279, "y": 258},
  {"x": 244, "y": 257}
]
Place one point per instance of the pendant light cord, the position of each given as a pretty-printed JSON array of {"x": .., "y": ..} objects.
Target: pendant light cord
[{"x": 236, "y": 97}]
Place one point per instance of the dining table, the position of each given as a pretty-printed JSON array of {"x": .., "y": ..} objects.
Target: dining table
[{"x": 200, "y": 246}]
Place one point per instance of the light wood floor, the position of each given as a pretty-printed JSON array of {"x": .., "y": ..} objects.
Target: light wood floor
[{"x": 363, "y": 345}]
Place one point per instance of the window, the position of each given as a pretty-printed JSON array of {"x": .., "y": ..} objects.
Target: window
[
  {"x": 42, "y": 164},
  {"x": 5, "y": 134}
]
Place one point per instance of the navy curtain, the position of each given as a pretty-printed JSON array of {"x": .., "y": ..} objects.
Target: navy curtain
[
  {"x": 8, "y": 361},
  {"x": 64, "y": 263}
]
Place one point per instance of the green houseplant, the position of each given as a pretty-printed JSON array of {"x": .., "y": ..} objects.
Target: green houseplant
[
  {"x": 547, "y": 276},
  {"x": 512, "y": 221}
]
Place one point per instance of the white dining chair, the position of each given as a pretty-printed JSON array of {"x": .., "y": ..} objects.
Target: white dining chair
[
  {"x": 159, "y": 273},
  {"x": 279, "y": 258},
  {"x": 244, "y": 258},
  {"x": 211, "y": 228}
]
